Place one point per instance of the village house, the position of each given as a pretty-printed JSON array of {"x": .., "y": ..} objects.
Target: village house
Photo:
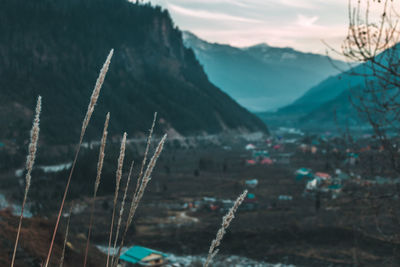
[{"x": 141, "y": 256}]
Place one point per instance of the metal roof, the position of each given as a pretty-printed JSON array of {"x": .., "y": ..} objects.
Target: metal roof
[{"x": 136, "y": 253}]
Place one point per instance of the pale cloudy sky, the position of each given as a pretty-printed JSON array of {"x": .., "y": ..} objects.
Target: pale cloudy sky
[{"x": 300, "y": 24}]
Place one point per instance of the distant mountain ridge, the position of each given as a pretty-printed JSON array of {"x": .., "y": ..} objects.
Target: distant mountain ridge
[
  {"x": 328, "y": 104},
  {"x": 326, "y": 91},
  {"x": 261, "y": 77},
  {"x": 55, "y": 48}
]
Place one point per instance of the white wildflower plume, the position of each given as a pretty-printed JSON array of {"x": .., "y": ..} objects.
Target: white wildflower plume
[
  {"x": 101, "y": 154},
  {"x": 85, "y": 123},
  {"x": 30, "y": 161},
  {"x": 118, "y": 174},
  {"x": 139, "y": 194},
  {"x": 96, "y": 92},
  {"x": 117, "y": 182},
  {"x": 97, "y": 182},
  {"x": 226, "y": 220}
]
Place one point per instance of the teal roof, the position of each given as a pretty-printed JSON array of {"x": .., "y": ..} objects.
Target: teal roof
[
  {"x": 354, "y": 155},
  {"x": 335, "y": 186},
  {"x": 251, "y": 196},
  {"x": 315, "y": 142},
  {"x": 302, "y": 173},
  {"x": 343, "y": 176},
  {"x": 136, "y": 253},
  {"x": 260, "y": 153}
]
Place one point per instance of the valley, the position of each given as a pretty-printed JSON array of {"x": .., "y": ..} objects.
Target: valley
[{"x": 195, "y": 174}]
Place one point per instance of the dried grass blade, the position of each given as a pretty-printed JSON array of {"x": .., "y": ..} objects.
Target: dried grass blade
[
  {"x": 137, "y": 197},
  {"x": 30, "y": 161},
  {"x": 65, "y": 238},
  {"x": 97, "y": 182},
  {"x": 121, "y": 211},
  {"x": 117, "y": 182},
  {"x": 85, "y": 123},
  {"x": 96, "y": 93},
  {"x": 226, "y": 220},
  {"x": 146, "y": 152}
]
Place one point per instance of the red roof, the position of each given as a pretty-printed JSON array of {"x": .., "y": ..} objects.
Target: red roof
[
  {"x": 251, "y": 162},
  {"x": 267, "y": 161},
  {"x": 323, "y": 175}
]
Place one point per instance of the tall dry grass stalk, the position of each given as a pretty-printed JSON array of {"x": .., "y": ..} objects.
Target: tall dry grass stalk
[
  {"x": 66, "y": 237},
  {"x": 139, "y": 194},
  {"x": 97, "y": 181},
  {"x": 226, "y": 220},
  {"x": 146, "y": 152},
  {"x": 64, "y": 245},
  {"x": 121, "y": 211},
  {"x": 118, "y": 176},
  {"x": 96, "y": 93},
  {"x": 85, "y": 123},
  {"x": 30, "y": 161}
]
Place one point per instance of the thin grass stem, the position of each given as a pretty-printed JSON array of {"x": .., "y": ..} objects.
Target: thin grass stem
[
  {"x": 121, "y": 211},
  {"x": 118, "y": 176},
  {"x": 97, "y": 182}
]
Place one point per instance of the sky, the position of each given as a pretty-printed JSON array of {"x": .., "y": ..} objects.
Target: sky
[{"x": 300, "y": 24}]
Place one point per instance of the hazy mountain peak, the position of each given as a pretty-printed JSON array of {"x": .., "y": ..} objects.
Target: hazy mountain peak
[
  {"x": 261, "y": 77},
  {"x": 258, "y": 46}
]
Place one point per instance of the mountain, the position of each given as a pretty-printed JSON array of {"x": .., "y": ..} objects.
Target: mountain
[
  {"x": 55, "y": 48},
  {"x": 335, "y": 113},
  {"x": 348, "y": 82},
  {"x": 328, "y": 104},
  {"x": 261, "y": 77},
  {"x": 325, "y": 106},
  {"x": 325, "y": 91}
]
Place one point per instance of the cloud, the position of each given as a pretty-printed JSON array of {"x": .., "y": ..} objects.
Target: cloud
[
  {"x": 300, "y": 24},
  {"x": 213, "y": 2},
  {"x": 295, "y": 36},
  {"x": 305, "y": 4},
  {"x": 305, "y": 21},
  {"x": 203, "y": 14}
]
